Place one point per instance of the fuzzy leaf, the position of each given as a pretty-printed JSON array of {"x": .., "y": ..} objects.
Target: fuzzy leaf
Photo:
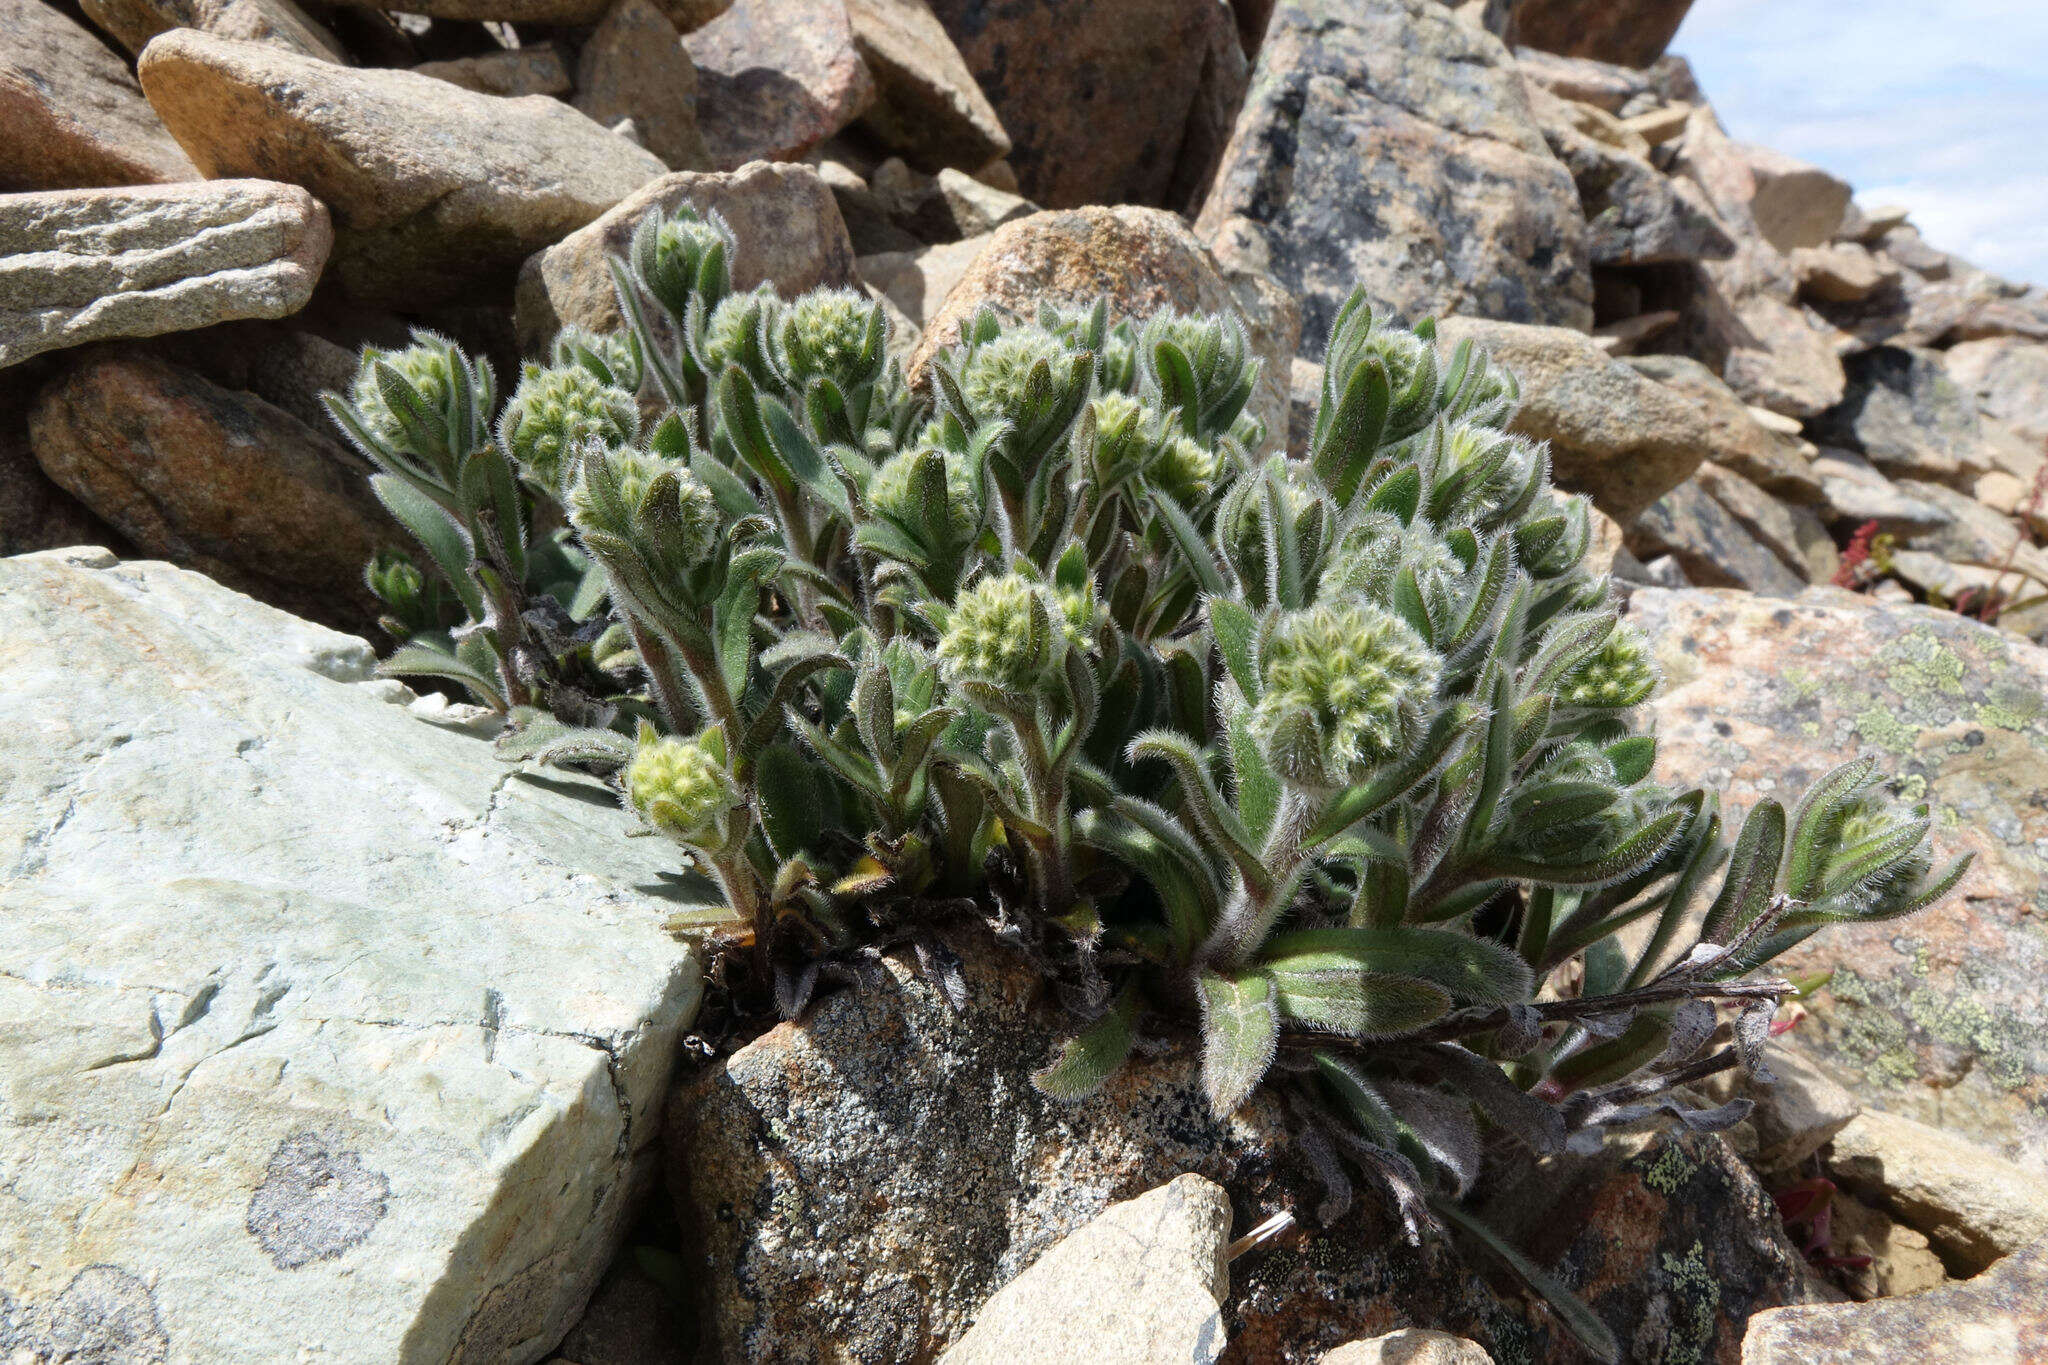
[
  {"x": 1240, "y": 1032},
  {"x": 1360, "y": 1004},
  {"x": 1471, "y": 969},
  {"x": 1093, "y": 1055}
]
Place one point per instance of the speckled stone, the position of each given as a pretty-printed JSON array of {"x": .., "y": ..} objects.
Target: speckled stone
[
  {"x": 1143, "y": 261},
  {"x": 324, "y": 1033},
  {"x": 1999, "y": 1318},
  {"x": 1386, "y": 143},
  {"x": 1942, "y": 1018},
  {"x": 860, "y": 1181}
]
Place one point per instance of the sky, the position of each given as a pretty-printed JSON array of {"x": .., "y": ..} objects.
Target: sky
[{"x": 1938, "y": 105}]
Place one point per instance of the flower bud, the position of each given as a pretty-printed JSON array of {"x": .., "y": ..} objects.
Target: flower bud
[
  {"x": 894, "y": 493},
  {"x": 1345, "y": 689},
  {"x": 555, "y": 411},
  {"x": 1469, "y": 446},
  {"x": 686, "y": 254},
  {"x": 1185, "y": 469},
  {"x": 1241, "y": 523},
  {"x": 1617, "y": 675},
  {"x": 430, "y": 367},
  {"x": 997, "y": 376},
  {"x": 1875, "y": 815},
  {"x": 691, "y": 525},
  {"x": 734, "y": 332},
  {"x": 682, "y": 789},
  {"x": 1001, "y": 635},
  {"x": 610, "y": 356},
  {"x": 826, "y": 335}
]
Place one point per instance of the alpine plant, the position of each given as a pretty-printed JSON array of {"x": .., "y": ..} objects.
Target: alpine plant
[{"x": 1333, "y": 765}]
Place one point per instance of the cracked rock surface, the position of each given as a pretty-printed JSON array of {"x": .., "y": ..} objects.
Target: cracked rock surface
[{"x": 323, "y": 1033}]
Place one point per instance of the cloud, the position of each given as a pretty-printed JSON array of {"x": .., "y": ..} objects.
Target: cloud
[{"x": 1938, "y": 108}]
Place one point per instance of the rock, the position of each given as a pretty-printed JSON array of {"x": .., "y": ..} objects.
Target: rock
[
  {"x": 1796, "y": 204},
  {"x": 1771, "y": 523},
  {"x": 913, "y": 1168},
  {"x": 432, "y": 187},
  {"x": 927, "y": 104},
  {"x": 1625, "y": 32},
  {"x": 1062, "y": 75},
  {"x": 1635, "y": 215},
  {"x": 1143, "y": 260},
  {"x": 35, "y": 514},
  {"x": 2008, "y": 379},
  {"x": 1900, "y": 1261},
  {"x": 536, "y": 70},
  {"x": 88, "y": 265},
  {"x": 281, "y": 23},
  {"x": 631, "y": 1320},
  {"x": 634, "y": 66},
  {"x": 1798, "y": 1112},
  {"x": 788, "y": 228},
  {"x": 1941, "y": 1017},
  {"x": 1411, "y": 1346},
  {"x": 1776, "y": 355},
  {"x": 75, "y": 118},
  {"x": 1584, "y": 81},
  {"x": 1853, "y": 492},
  {"x": 1995, "y": 1317},
  {"x": 1738, "y": 438},
  {"x": 1905, "y": 414},
  {"x": 1973, "y": 1205},
  {"x": 1617, "y": 437},
  {"x": 1142, "y": 1281},
  {"x": 1668, "y": 1237},
  {"x": 1975, "y": 535},
  {"x": 1741, "y": 315},
  {"x": 917, "y": 282},
  {"x": 1709, "y": 544},
  {"x": 285, "y": 366},
  {"x": 912, "y": 202},
  {"x": 1905, "y": 245},
  {"x": 1843, "y": 272},
  {"x": 542, "y": 12},
  {"x": 973, "y": 208},
  {"x": 1867, "y": 225},
  {"x": 690, "y": 15},
  {"x": 1660, "y": 125},
  {"x": 1623, "y": 337},
  {"x": 322, "y": 1030},
  {"x": 775, "y": 78},
  {"x": 2014, "y": 313},
  {"x": 1387, "y": 144},
  {"x": 216, "y": 480}
]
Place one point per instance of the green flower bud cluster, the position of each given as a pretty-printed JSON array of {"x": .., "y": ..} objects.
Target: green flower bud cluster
[
  {"x": 1501, "y": 466},
  {"x": 683, "y": 256},
  {"x": 1001, "y": 635},
  {"x": 893, "y": 493},
  {"x": 555, "y": 412},
  {"x": 997, "y": 375},
  {"x": 1244, "y": 514},
  {"x": 613, "y": 357},
  {"x": 1618, "y": 675},
  {"x": 1185, "y": 469},
  {"x": 690, "y": 523},
  {"x": 834, "y": 335},
  {"x": 1345, "y": 688},
  {"x": 681, "y": 788},
  {"x": 733, "y": 333}
]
